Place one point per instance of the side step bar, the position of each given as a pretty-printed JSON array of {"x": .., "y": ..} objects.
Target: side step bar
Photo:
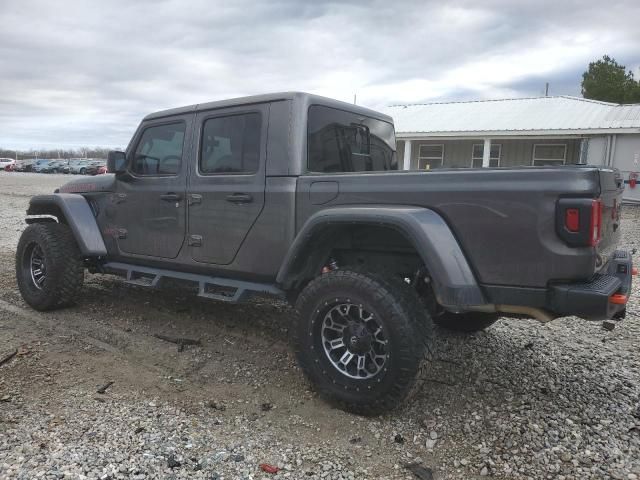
[{"x": 215, "y": 288}]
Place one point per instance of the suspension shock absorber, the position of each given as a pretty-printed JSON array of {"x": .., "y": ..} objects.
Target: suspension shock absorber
[{"x": 332, "y": 265}]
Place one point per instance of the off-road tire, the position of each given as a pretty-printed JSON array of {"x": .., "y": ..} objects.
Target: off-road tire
[
  {"x": 407, "y": 328},
  {"x": 468, "y": 322},
  {"x": 62, "y": 260}
]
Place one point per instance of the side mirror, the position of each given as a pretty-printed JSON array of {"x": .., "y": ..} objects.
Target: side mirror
[{"x": 116, "y": 162}]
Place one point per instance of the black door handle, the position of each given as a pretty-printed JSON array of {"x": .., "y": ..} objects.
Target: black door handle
[
  {"x": 239, "y": 198},
  {"x": 171, "y": 197}
]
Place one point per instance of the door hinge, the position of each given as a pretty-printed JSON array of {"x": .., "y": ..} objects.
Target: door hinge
[
  {"x": 195, "y": 198},
  {"x": 195, "y": 240}
]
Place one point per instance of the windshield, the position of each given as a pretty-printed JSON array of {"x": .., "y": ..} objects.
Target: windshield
[{"x": 342, "y": 141}]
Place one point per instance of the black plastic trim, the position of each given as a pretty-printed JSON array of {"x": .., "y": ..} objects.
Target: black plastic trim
[
  {"x": 581, "y": 238},
  {"x": 77, "y": 214},
  {"x": 587, "y": 299},
  {"x": 453, "y": 281}
]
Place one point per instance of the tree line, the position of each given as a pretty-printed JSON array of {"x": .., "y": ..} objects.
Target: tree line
[
  {"x": 608, "y": 81},
  {"x": 88, "y": 152}
]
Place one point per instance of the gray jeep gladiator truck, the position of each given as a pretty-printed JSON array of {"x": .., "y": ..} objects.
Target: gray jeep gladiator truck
[{"x": 300, "y": 196}]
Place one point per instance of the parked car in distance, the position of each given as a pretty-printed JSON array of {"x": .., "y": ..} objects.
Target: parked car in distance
[
  {"x": 62, "y": 166},
  {"x": 76, "y": 164},
  {"x": 7, "y": 164},
  {"x": 96, "y": 167},
  {"x": 54, "y": 166},
  {"x": 24, "y": 165},
  {"x": 40, "y": 165},
  {"x": 81, "y": 166}
]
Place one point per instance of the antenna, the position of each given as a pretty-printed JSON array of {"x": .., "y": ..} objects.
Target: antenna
[
  {"x": 546, "y": 89},
  {"x": 354, "y": 99}
]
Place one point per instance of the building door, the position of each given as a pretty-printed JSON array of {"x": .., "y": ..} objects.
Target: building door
[
  {"x": 626, "y": 158},
  {"x": 150, "y": 203},
  {"x": 227, "y": 181}
]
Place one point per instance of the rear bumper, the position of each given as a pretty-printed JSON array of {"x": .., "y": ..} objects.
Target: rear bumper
[{"x": 604, "y": 296}]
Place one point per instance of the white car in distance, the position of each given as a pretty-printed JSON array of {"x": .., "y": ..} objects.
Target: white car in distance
[{"x": 5, "y": 162}]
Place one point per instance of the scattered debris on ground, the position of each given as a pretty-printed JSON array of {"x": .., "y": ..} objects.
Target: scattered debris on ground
[{"x": 104, "y": 388}]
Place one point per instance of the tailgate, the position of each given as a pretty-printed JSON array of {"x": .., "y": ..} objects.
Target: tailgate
[{"x": 611, "y": 190}]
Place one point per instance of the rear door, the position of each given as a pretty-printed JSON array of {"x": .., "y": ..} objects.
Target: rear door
[
  {"x": 150, "y": 203},
  {"x": 227, "y": 181}
]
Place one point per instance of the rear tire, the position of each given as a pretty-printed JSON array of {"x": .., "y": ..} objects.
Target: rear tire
[
  {"x": 49, "y": 266},
  {"x": 468, "y": 322},
  {"x": 344, "y": 320}
]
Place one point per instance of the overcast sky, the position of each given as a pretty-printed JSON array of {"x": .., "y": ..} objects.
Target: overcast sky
[{"x": 76, "y": 72}]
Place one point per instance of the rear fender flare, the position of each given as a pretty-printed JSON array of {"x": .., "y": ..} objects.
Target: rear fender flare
[
  {"x": 453, "y": 281},
  {"x": 75, "y": 212}
]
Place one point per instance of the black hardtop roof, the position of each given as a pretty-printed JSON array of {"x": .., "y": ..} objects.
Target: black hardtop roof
[{"x": 305, "y": 99}]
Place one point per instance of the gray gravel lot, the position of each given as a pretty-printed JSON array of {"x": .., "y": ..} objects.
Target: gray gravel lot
[
  {"x": 519, "y": 401},
  {"x": 16, "y": 189}
]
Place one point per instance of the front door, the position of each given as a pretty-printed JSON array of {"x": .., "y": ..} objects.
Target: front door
[
  {"x": 226, "y": 185},
  {"x": 150, "y": 203}
]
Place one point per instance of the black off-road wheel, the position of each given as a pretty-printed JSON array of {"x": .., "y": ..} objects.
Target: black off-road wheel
[
  {"x": 363, "y": 340},
  {"x": 49, "y": 266},
  {"x": 468, "y": 322}
]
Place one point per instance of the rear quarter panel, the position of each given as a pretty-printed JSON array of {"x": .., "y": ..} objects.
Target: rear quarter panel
[{"x": 504, "y": 219}]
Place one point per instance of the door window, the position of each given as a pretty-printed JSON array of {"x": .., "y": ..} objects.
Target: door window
[
  {"x": 230, "y": 144},
  {"x": 159, "y": 151}
]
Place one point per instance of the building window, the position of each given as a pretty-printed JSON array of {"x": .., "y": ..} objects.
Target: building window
[
  {"x": 549, "y": 154},
  {"x": 430, "y": 156},
  {"x": 478, "y": 151}
]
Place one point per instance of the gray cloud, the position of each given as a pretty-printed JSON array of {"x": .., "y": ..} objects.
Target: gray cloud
[{"x": 75, "y": 73}]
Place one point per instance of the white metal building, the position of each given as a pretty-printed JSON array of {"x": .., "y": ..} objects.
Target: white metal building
[{"x": 520, "y": 132}]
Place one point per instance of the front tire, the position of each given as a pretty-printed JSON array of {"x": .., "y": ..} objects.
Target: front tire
[
  {"x": 363, "y": 340},
  {"x": 49, "y": 266}
]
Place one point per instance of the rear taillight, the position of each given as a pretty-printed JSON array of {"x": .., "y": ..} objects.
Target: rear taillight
[
  {"x": 579, "y": 221},
  {"x": 572, "y": 219},
  {"x": 595, "y": 226}
]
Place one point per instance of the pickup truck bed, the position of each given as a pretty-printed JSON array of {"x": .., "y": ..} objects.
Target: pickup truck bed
[{"x": 504, "y": 220}]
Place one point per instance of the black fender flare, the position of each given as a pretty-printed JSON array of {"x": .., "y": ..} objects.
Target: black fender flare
[
  {"x": 76, "y": 213},
  {"x": 453, "y": 281}
]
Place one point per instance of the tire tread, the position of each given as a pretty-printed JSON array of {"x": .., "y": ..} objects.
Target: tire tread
[
  {"x": 65, "y": 266},
  {"x": 416, "y": 355}
]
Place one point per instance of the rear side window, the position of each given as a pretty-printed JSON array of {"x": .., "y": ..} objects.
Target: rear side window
[
  {"x": 159, "y": 151},
  {"x": 231, "y": 144},
  {"x": 341, "y": 141}
]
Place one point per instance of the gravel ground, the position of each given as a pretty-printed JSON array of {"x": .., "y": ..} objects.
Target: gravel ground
[{"x": 519, "y": 401}]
